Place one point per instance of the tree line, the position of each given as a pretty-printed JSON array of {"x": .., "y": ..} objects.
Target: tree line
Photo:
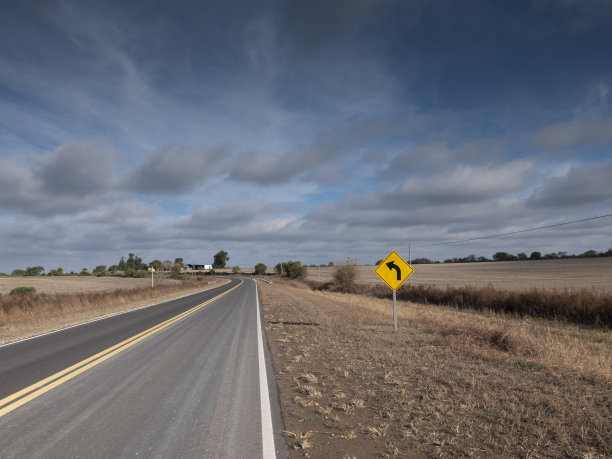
[{"x": 505, "y": 256}]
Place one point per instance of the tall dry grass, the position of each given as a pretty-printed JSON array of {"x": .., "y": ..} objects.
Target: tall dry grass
[
  {"x": 586, "y": 307},
  {"x": 18, "y": 309}
]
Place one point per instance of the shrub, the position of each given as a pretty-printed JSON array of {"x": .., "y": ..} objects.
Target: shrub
[
  {"x": 292, "y": 269},
  {"x": 22, "y": 290},
  {"x": 260, "y": 269},
  {"x": 346, "y": 272},
  {"x": 236, "y": 269}
]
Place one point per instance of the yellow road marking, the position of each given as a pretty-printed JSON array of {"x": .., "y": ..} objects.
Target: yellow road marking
[{"x": 45, "y": 385}]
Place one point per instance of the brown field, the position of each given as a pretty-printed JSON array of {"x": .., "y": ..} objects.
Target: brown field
[
  {"x": 450, "y": 383},
  {"x": 570, "y": 274},
  {"x": 79, "y": 284}
]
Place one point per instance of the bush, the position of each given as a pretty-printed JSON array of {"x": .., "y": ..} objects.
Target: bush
[
  {"x": 292, "y": 269},
  {"x": 346, "y": 272},
  {"x": 236, "y": 269},
  {"x": 260, "y": 269},
  {"x": 175, "y": 272},
  {"x": 22, "y": 290}
]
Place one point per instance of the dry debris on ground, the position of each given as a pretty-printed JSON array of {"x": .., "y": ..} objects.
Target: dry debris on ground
[{"x": 450, "y": 383}]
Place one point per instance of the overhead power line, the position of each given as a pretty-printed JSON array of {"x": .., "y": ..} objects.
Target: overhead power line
[{"x": 515, "y": 232}]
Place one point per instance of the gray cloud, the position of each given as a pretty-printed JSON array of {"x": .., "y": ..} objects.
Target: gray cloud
[
  {"x": 229, "y": 218},
  {"x": 437, "y": 154},
  {"x": 582, "y": 185},
  {"x": 176, "y": 169},
  {"x": 42, "y": 192},
  {"x": 577, "y": 132},
  {"x": 76, "y": 169},
  {"x": 271, "y": 168}
]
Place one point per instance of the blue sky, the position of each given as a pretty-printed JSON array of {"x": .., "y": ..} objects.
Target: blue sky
[{"x": 312, "y": 130}]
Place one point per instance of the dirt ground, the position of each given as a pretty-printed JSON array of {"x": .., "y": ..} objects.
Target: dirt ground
[
  {"x": 571, "y": 274},
  {"x": 450, "y": 383}
]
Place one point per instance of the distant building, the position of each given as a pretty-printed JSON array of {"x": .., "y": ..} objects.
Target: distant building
[{"x": 195, "y": 267}]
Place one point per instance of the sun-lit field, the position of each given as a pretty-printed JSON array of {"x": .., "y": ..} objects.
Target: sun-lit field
[{"x": 571, "y": 274}]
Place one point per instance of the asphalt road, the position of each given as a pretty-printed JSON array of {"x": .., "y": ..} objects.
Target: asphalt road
[{"x": 189, "y": 387}]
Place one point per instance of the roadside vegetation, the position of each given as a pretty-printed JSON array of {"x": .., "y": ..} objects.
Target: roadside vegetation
[
  {"x": 586, "y": 307},
  {"x": 25, "y": 311},
  {"x": 452, "y": 382}
]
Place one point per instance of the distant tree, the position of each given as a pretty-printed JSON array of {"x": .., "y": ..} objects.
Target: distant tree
[
  {"x": 260, "y": 269},
  {"x": 156, "y": 265},
  {"x": 113, "y": 269},
  {"x": 122, "y": 265},
  {"x": 166, "y": 265},
  {"x": 378, "y": 262},
  {"x": 18, "y": 272},
  {"x": 346, "y": 272},
  {"x": 535, "y": 256},
  {"x": 84, "y": 272},
  {"x": 236, "y": 269},
  {"x": 99, "y": 269},
  {"x": 503, "y": 256},
  {"x": 34, "y": 270},
  {"x": 60, "y": 271},
  {"x": 522, "y": 256},
  {"x": 330, "y": 264},
  {"x": 417, "y": 261},
  {"x": 179, "y": 261},
  {"x": 220, "y": 259},
  {"x": 56, "y": 272},
  {"x": 590, "y": 254},
  {"x": 482, "y": 259}
]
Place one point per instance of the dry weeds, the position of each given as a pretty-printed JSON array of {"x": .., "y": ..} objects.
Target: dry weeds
[
  {"x": 450, "y": 382},
  {"x": 22, "y": 316}
]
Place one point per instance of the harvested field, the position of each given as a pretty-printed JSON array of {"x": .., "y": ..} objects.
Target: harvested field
[
  {"x": 79, "y": 284},
  {"x": 450, "y": 383},
  {"x": 569, "y": 274}
]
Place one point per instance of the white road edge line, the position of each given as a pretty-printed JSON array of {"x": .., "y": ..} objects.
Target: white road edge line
[{"x": 267, "y": 431}]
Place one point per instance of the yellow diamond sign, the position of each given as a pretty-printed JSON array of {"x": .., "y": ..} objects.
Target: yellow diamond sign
[{"x": 394, "y": 270}]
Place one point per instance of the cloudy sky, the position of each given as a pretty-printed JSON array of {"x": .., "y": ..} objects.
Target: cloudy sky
[{"x": 313, "y": 130}]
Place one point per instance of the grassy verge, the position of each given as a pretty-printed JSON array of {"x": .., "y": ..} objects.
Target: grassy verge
[
  {"x": 450, "y": 383},
  {"x": 585, "y": 307},
  {"x": 33, "y": 313}
]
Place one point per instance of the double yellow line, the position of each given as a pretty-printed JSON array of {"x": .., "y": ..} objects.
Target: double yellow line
[{"x": 28, "y": 394}]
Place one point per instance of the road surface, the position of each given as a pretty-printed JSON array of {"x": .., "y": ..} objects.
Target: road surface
[{"x": 181, "y": 379}]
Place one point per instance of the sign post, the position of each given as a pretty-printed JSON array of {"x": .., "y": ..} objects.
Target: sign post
[
  {"x": 152, "y": 271},
  {"x": 394, "y": 271}
]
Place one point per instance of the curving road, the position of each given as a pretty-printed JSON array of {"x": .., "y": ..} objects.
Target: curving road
[{"x": 185, "y": 378}]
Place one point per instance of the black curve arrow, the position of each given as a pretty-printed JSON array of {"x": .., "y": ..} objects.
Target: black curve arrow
[{"x": 392, "y": 265}]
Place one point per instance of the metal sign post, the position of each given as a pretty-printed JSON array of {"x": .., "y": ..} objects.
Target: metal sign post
[{"x": 394, "y": 313}]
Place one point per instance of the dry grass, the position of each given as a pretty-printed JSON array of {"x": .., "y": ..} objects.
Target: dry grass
[
  {"x": 577, "y": 306},
  {"x": 450, "y": 382},
  {"x": 80, "y": 284},
  {"x": 27, "y": 315}
]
